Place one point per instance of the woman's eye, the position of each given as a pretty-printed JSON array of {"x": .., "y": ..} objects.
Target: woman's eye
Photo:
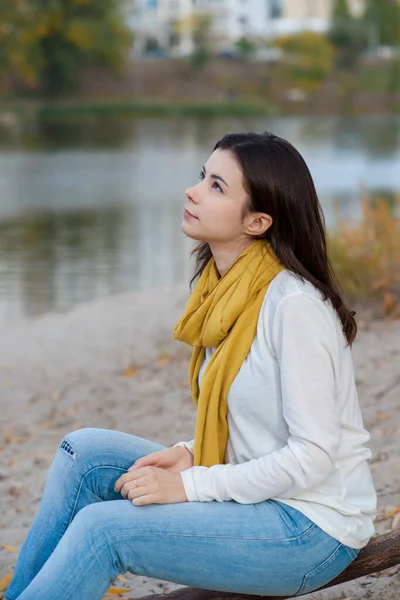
[
  {"x": 201, "y": 176},
  {"x": 218, "y": 187}
]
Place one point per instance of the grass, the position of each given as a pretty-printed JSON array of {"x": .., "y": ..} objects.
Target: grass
[
  {"x": 71, "y": 109},
  {"x": 374, "y": 78},
  {"x": 366, "y": 255}
]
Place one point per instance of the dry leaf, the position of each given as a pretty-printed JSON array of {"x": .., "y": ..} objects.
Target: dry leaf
[
  {"x": 396, "y": 521},
  {"x": 387, "y": 513},
  {"x": 130, "y": 371},
  {"x": 4, "y": 583},
  {"x": 116, "y": 591},
  {"x": 122, "y": 578},
  {"x": 7, "y": 547},
  {"x": 393, "y": 512},
  {"x": 47, "y": 424},
  {"x": 163, "y": 360},
  {"x": 381, "y": 416},
  {"x": 16, "y": 491},
  {"x": 389, "y": 303}
]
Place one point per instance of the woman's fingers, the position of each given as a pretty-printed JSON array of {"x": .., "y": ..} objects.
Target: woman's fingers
[
  {"x": 131, "y": 490},
  {"x": 149, "y": 459},
  {"x": 129, "y": 476},
  {"x": 143, "y": 500}
]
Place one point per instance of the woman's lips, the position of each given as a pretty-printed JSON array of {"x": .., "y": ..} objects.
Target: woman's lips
[{"x": 188, "y": 215}]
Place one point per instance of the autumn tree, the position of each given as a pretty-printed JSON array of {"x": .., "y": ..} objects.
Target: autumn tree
[
  {"x": 47, "y": 42},
  {"x": 382, "y": 19},
  {"x": 347, "y": 34},
  {"x": 309, "y": 57}
]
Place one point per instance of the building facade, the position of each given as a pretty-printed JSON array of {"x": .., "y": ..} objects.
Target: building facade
[{"x": 168, "y": 25}]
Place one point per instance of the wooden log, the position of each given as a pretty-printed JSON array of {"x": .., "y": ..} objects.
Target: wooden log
[{"x": 381, "y": 553}]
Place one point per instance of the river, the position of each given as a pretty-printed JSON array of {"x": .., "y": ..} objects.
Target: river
[{"x": 89, "y": 209}]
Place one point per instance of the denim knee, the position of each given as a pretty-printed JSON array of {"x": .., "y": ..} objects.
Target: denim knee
[
  {"x": 79, "y": 441},
  {"x": 99, "y": 532}
]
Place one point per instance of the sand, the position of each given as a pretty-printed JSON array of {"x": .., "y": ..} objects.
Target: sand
[{"x": 114, "y": 364}]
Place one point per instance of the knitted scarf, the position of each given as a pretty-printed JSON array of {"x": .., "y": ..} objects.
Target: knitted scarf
[{"x": 222, "y": 313}]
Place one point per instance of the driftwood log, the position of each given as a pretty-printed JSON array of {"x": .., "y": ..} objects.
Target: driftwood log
[{"x": 381, "y": 553}]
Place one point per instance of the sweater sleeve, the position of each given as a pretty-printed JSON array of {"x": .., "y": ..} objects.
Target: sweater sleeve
[
  {"x": 304, "y": 341},
  {"x": 189, "y": 445}
]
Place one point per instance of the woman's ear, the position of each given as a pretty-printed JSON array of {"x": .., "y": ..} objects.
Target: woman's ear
[{"x": 257, "y": 223}]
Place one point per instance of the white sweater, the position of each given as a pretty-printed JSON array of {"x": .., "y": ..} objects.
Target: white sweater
[{"x": 296, "y": 432}]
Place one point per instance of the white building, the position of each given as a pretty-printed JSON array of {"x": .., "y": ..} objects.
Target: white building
[{"x": 167, "y": 24}]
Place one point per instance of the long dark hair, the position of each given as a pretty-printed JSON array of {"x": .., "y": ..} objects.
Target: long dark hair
[{"x": 279, "y": 183}]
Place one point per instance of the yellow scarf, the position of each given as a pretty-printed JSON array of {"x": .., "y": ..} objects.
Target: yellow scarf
[{"x": 223, "y": 313}]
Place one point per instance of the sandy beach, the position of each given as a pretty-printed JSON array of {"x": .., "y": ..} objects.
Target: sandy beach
[{"x": 114, "y": 364}]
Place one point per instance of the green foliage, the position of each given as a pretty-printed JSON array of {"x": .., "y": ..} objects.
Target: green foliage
[
  {"x": 340, "y": 10},
  {"x": 246, "y": 47},
  {"x": 201, "y": 55},
  {"x": 348, "y": 35},
  {"x": 309, "y": 57},
  {"x": 47, "y": 42},
  {"x": 382, "y": 19}
]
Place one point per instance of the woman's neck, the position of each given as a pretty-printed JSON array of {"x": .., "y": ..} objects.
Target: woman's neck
[{"x": 225, "y": 254}]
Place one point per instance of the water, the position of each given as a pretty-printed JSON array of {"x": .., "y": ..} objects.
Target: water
[{"x": 91, "y": 209}]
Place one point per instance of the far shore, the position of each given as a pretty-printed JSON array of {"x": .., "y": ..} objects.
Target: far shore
[
  {"x": 114, "y": 364},
  {"x": 17, "y": 111}
]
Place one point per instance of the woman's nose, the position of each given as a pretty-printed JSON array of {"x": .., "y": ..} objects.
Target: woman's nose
[{"x": 191, "y": 194}]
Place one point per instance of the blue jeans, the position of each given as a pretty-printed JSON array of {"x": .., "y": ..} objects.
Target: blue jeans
[{"x": 85, "y": 534}]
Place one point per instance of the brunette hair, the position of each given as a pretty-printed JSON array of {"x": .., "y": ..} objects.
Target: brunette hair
[{"x": 279, "y": 183}]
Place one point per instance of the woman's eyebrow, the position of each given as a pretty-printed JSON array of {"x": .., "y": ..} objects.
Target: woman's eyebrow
[{"x": 218, "y": 177}]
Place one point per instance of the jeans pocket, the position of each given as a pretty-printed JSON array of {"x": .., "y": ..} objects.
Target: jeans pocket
[{"x": 328, "y": 570}]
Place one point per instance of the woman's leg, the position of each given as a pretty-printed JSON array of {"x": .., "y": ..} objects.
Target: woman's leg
[
  {"x": 84, "y": 471},
  {"x": 263, "y": 549}
]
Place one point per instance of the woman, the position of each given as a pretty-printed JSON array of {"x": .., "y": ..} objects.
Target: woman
[{"x": 274, "y": 496}]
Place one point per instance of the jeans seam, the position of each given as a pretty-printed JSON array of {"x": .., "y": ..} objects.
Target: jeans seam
[
  {"x": 83, "y": 477},
  {"x": 319, "y": 568},
  {"x": 286, "y": 539},
  {"x": 129, "y": 535},
  {"x": 352, "y": 551}
]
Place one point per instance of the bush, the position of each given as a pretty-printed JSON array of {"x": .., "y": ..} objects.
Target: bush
[
  {"x": 309, "y": 57},
  {"x": 366, "y": 255}
]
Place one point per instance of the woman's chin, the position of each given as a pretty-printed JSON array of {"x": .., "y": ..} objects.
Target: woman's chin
[{"x": 190, "y": 231}]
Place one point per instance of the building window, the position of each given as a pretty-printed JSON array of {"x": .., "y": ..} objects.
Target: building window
[{"x": 275, "y": 9}]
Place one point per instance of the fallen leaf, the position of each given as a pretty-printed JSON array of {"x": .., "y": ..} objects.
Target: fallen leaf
[
  {"x": 381, "y": 416},
  {"x": 396, "y": 521},
  {"x": 7, "y": 547},
  {"x": 393, "y": 512},
  {"x": 122, "y": 578},
  {"x": 116, "y": 591},
  {"x": 387, "y": 513},
  {"x": 130, "y": 371},
  {"x": 163, "y": 360},
  {"x": 381, "y": 457},
  {"x": 4, "y": 583},
  {"x": 16, "y": 491},
  {"x": 389, "y": 303}
]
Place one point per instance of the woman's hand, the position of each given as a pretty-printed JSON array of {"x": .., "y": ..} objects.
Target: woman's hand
[
  {"x": 177, "y": 459},
  {"x": 151, "y": 485}
]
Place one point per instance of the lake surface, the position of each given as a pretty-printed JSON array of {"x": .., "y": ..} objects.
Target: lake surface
[{"x": 92, "y": 209}]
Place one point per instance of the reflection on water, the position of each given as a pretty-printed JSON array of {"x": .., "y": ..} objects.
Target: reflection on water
[
  {"x": 90, "y": 209},
  {"x": 55, "y": 260}
]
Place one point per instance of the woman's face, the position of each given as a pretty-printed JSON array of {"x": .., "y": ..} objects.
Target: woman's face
[{"x": 214, "y": 208}]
